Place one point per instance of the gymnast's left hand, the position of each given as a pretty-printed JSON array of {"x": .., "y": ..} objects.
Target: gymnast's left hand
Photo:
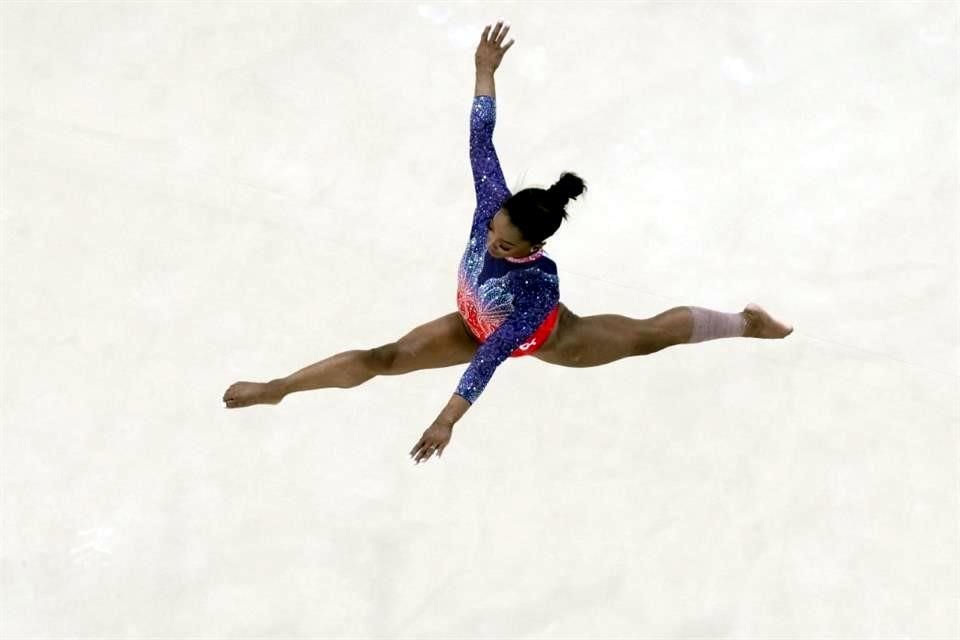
[
  {"x": 434, "y": 440},
  {"x": 489, "y": 52}
]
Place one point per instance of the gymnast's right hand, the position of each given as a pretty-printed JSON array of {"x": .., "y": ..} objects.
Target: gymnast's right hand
[{"x": 489, "y": 52}]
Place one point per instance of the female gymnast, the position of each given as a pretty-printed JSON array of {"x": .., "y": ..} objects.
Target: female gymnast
[{"x": 508, "y": 296}]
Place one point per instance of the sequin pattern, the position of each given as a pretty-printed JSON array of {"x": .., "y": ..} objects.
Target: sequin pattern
[{"x": 503, "y": 301}]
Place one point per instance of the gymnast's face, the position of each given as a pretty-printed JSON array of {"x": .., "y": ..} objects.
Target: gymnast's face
[{"x": 504, "y": 240}]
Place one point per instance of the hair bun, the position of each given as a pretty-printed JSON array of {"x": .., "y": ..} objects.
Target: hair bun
[
  {"x": 557, "y": 195},
  {"x": 568, "y": 186}
]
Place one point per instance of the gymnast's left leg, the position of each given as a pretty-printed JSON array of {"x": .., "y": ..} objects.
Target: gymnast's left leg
[{"x": 595, "y": 340}]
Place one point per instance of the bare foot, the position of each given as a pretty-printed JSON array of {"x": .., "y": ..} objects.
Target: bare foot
[
  {"x": 245, "y": 394},
  {"x": 761, "y": 325}
]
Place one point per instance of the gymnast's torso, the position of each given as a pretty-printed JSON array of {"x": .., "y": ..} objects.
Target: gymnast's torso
[{"x": 502, "y": 301}]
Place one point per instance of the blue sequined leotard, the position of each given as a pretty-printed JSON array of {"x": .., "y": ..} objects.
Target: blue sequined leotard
[{"x": 504, "y": 301}]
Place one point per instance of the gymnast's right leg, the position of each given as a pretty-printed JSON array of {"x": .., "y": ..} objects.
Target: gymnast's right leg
[{"x": 443, "y": 342}]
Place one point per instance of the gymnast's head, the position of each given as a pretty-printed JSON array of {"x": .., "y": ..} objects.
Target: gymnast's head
[{"x": 529, "y": 217}]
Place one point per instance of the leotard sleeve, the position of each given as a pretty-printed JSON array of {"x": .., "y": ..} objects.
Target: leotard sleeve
[{"x": 488, "y": 182}]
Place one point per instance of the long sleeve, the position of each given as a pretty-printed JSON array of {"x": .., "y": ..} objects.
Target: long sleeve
[
  {"x": 488, "y": 181},
  {"x": 537, "y": 293}
]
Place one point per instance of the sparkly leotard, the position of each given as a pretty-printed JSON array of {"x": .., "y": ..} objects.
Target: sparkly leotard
[{"x": 510, "y": 304}]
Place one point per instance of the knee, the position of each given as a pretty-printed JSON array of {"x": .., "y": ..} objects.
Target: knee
[
  {"x": 655, "y": 336},
  {"x": 381, "y": 359}
]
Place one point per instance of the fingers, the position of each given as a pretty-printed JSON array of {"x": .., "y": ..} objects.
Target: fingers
[
  {"x": 424, "y": 450},
  {"x": 497, "y": 36},
  {"x": 425, "y": 454},
  {"x": 420, "y": 450},
  {"x": 417, "y": 446}
]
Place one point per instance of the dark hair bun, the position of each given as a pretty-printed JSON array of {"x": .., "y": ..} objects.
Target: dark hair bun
[{"x": 568, "y": 186}]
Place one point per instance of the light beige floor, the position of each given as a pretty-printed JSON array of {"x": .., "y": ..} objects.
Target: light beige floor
[{"x": 199, "y": 193}]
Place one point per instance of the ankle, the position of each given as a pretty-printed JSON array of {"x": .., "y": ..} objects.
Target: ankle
[
  {"x": 710, "y": 325},
  {"x": 279, "y": 387},
  {"x": 751, "y": 325}
]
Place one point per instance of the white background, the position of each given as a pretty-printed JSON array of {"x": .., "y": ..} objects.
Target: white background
[{"x": 195, "y": 194}]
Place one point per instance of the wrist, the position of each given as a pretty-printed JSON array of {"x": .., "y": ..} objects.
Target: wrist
[
  {"x": 454, "y": 410},
  {"x": 485, "y": 85}
]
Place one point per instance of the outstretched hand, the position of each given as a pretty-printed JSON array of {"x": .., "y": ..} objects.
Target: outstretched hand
[
  {"x": 435, "y": 438},
  {"x": 489, "y": 52}
]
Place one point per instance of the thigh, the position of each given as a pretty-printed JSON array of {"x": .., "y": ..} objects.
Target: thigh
[
  {"x": 565, "y": 341},
  {"x": 595, "y": 340},
  {"x": 443, "y": 342}
]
